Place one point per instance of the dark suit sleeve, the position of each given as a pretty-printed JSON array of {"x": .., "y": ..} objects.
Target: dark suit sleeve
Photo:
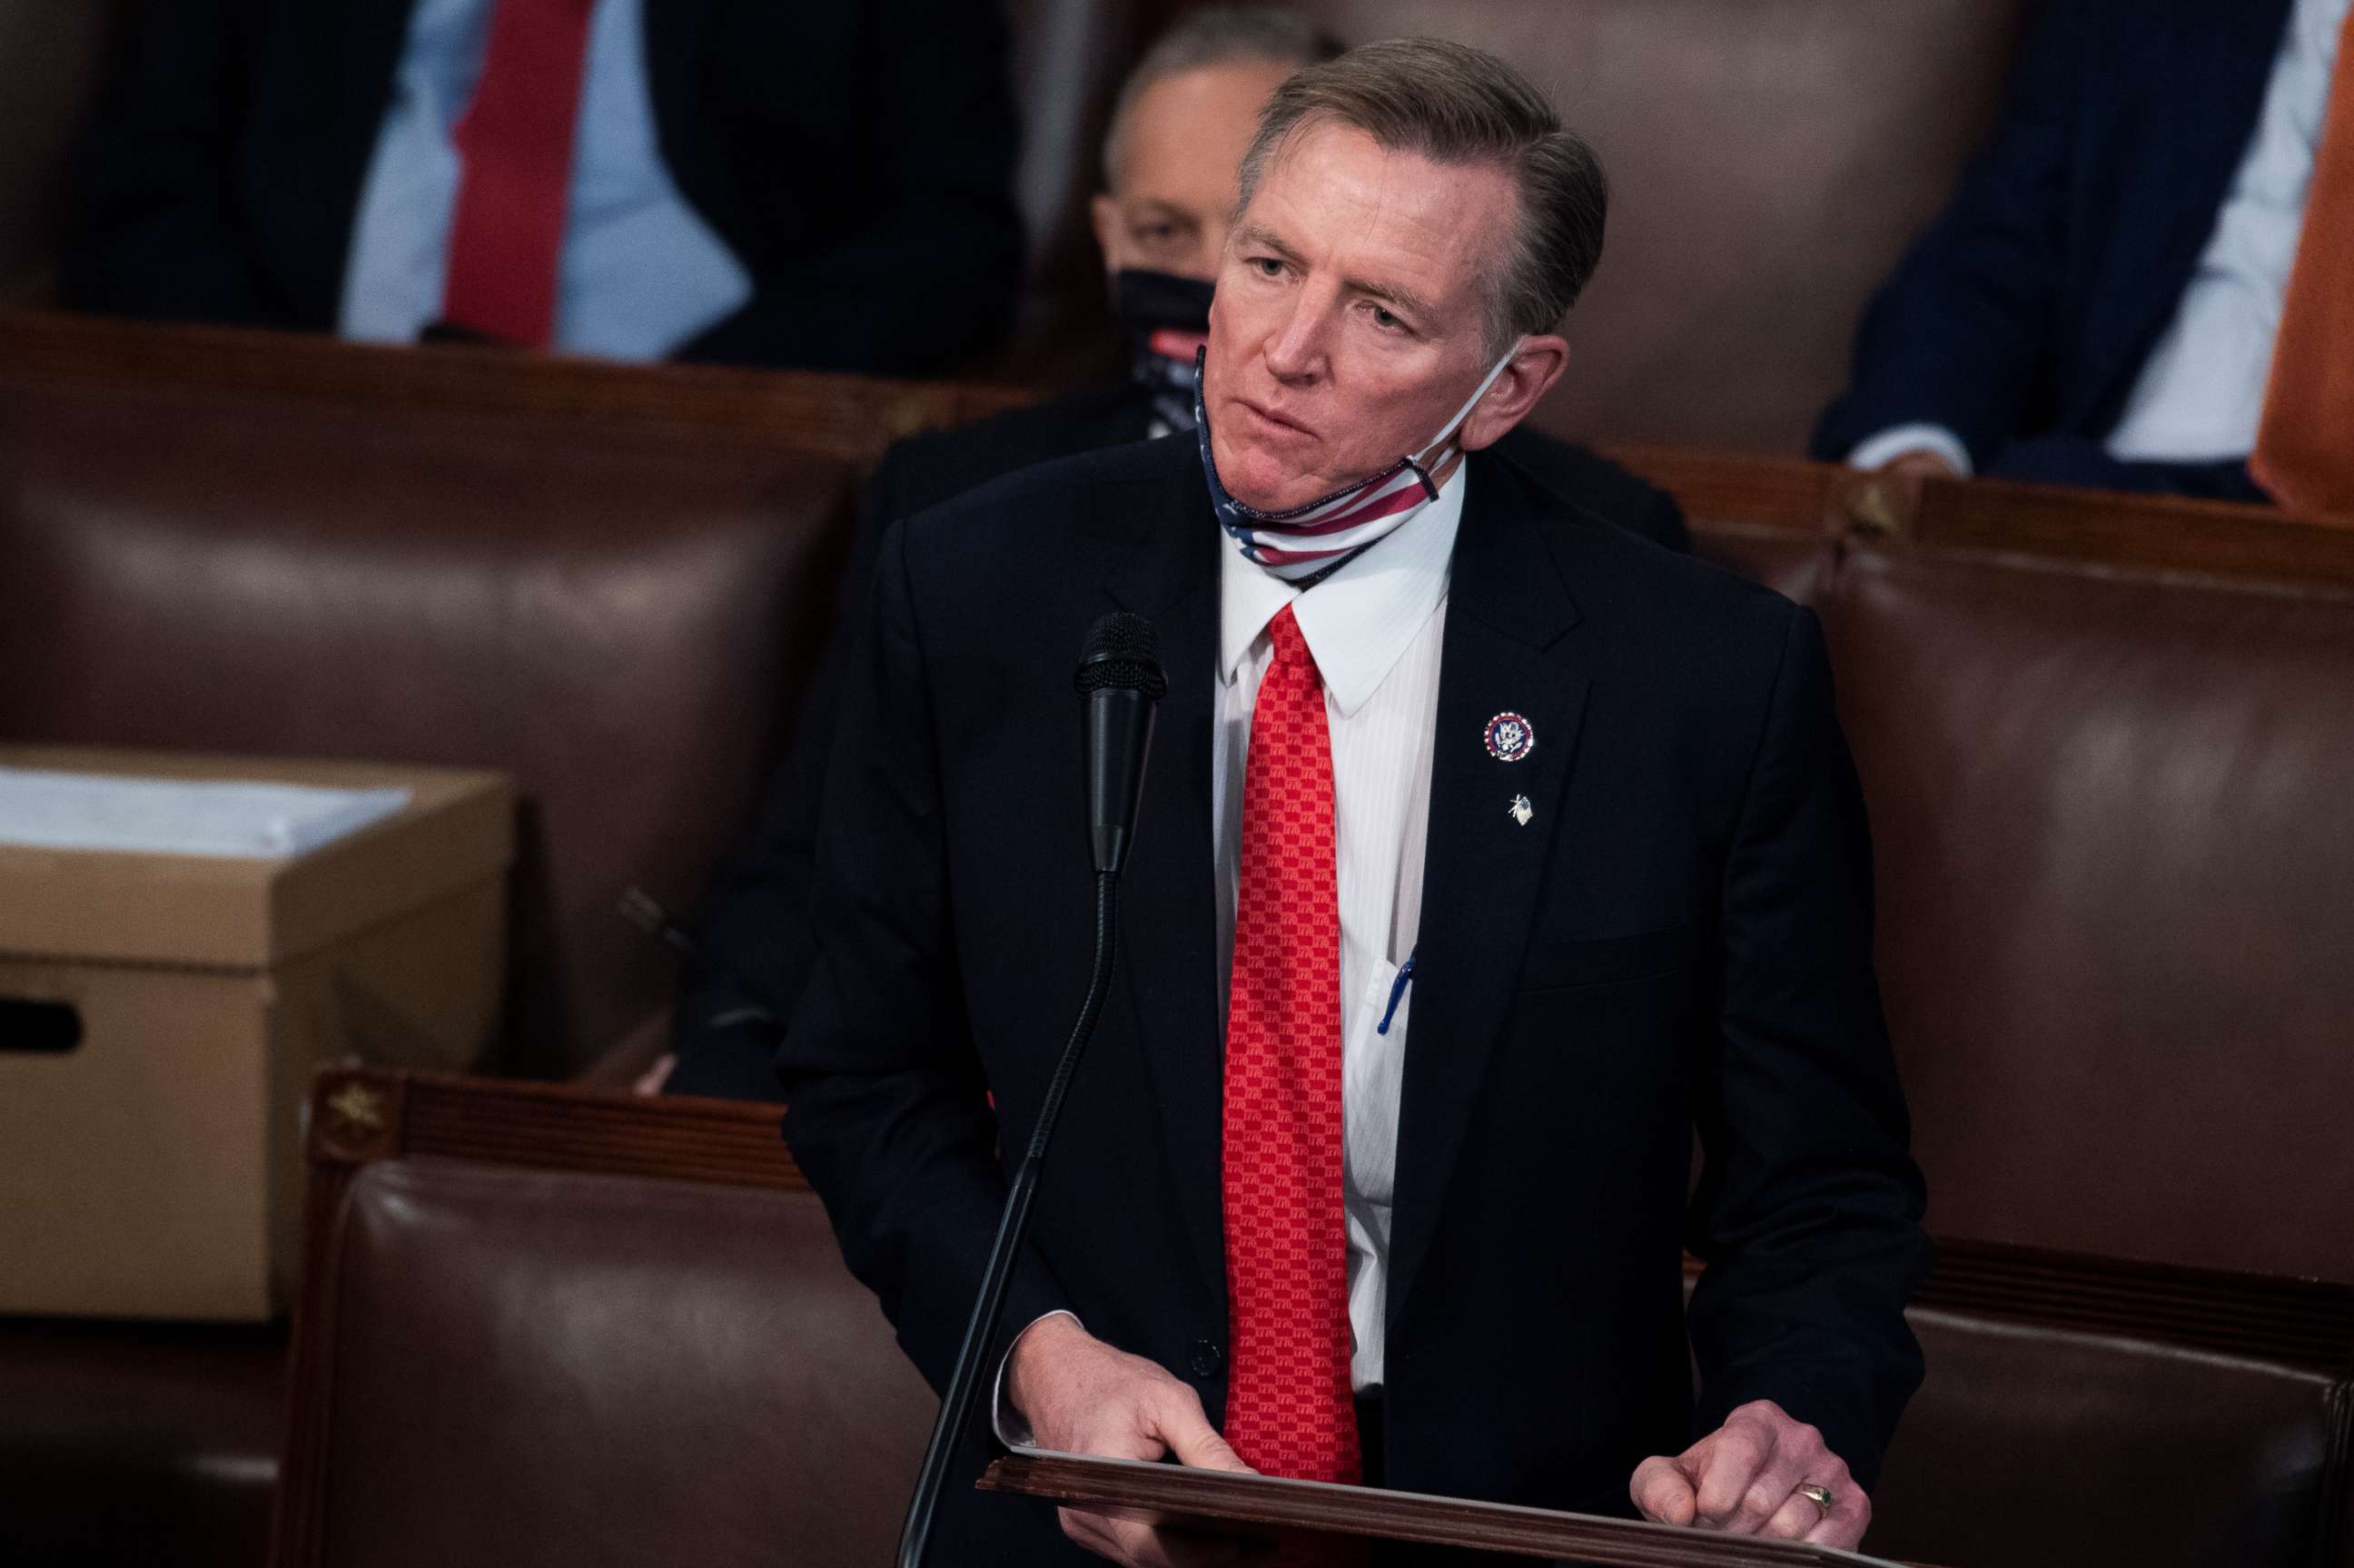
[
  {"x": 756, "y": 949},
  {"x": 1959, "y": 335},
  {"x": 153, "y": 232},
  {"x": 888, "y": 1111},
  {"x": 931, "y": 277},
  {"x": 1808, "y": 1210}
]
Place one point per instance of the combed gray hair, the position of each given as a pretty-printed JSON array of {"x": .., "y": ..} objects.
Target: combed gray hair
[
  {"x": 1457, "y": 105},
  {"x": 1215, "y": 35}
]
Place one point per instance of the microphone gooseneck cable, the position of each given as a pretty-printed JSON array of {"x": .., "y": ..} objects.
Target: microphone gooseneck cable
[{"x": 1120, "y": 679}]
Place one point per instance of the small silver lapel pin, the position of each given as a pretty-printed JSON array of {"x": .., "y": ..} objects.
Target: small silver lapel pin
[{"x": 1521, "y": 809}]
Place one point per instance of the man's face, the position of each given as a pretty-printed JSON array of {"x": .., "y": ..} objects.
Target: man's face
[
  {"x": 1349, "y": 323},
  {"x": 1173, "y": 192}
]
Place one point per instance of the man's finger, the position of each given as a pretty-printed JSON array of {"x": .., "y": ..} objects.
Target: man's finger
[
  {"x": 1662, "y": 1490},
  {"x": 1794, "y": 1519},
  {"x": 1142, "y": 1546},
  {"x": 1182, "y": 1424},
  {"x": 1737, "y": 1452},
  {"x": 1850, "y": 1515}
]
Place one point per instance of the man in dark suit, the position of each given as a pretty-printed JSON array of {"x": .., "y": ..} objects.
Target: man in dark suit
[
  {"x": 1183, "y": 118},
  {"x": 2100, "y": 304},
  {"x": 729, "y": 180},
  {"x": 1488, "y": 853}
]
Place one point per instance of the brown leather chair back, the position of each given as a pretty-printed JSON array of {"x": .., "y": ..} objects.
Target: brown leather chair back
[
  {"x": 619, "y": 613},
  {"x": 2117, "y": 896},
  {"x": 2104, "y": 743},
  {"x": 1769, "y": 160},
  {"x": 543, "y": 1326},
  {"x": 2082, "y": 1410}
]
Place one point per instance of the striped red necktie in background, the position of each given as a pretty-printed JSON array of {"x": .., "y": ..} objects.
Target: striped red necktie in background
[{"x": 507, "y": 235}]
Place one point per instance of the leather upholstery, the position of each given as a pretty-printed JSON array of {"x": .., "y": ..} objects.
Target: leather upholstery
[
  {"x": 2109, "y": 813},
  {"x": 138, "y": 1442},
  {"x": 2038, "y": 1448},
  {"x": 527, "y": 1366},
  {"x": 541, "y": 1367},
  {"x": 622, "y": 620}
]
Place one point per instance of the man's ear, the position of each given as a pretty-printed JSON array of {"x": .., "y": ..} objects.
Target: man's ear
[
  {"x": 1533, "y": 369},
  {"x": 1104, "y": 213}
]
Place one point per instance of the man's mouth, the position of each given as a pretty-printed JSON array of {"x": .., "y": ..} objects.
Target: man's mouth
[{"x": 1275, "y": 423}]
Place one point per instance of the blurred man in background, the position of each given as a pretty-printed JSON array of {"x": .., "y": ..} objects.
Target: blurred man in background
[
  {"x": 2146, "y": 278},
  {"x": 732, "y": 180},
  {"x": 1179, "y": 128}
]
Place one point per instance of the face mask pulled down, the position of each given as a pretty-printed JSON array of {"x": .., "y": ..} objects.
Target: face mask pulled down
[{"x": 1301, "y": 543}]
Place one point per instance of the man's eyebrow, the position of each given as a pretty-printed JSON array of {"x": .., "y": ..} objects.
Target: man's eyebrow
[
  {"x": 1252, "y": 235},
  {"x": 1403, "y": 298}
]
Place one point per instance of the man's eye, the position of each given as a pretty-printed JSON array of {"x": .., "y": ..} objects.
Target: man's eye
[
  {"x": 1269, "y": 266},
  {"x": 1154, "y": 233}
]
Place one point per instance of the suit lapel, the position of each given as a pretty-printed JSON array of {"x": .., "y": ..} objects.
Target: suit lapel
[
  {"x": 1506, "y": 650},
  {"x": 1167, "y": 919}
]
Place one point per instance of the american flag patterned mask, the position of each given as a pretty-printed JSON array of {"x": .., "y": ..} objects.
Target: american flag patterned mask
[{"x": 1303, "y": 541}]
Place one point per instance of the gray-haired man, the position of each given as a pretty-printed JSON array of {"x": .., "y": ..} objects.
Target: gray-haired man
[{"x": 1488, "y": 853}]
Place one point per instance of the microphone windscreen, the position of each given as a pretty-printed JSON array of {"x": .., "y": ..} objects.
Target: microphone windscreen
[{"x": 1122, "y": 654}]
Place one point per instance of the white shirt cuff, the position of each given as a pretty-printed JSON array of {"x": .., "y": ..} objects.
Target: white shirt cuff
[
  {"x": 1895, "y": 441},
  {"x": 1012, "y": 1427}
]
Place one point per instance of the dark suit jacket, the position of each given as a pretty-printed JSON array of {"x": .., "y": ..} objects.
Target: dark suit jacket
[
  {"x": 1680, "y": 938},
  {"x": 2029, "y": 308},
  {"x": 754, "y": 927},
  {"x": 857, "y": 158}
]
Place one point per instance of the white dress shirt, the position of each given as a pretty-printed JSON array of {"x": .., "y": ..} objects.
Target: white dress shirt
[
  {"x": 1375, "y": 627},
  {"x": 2201, "y": 392},
  {"x": 641, "y": 274}
]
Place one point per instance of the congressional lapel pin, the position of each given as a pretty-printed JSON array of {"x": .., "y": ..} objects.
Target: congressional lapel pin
[
  {"x": 1521, "y": 809},
  {"x": 1510, "y": 737}
]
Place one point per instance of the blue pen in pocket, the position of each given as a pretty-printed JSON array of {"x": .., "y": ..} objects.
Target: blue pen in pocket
[{"x": 1397, "y": 993}]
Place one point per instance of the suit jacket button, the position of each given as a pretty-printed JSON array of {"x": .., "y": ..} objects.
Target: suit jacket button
[{"x": 1205, "y": 1359}]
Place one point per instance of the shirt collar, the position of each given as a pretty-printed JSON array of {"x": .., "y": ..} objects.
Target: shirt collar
[{"x": 1359, "y": 621}]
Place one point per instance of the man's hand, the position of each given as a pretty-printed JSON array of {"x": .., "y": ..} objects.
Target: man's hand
[
  {"x": 1081, "y": 1397},
  {"x": 1742, "y": 1479}
]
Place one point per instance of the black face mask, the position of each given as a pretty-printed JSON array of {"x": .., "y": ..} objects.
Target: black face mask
[{"x": 1165, "y": 319}]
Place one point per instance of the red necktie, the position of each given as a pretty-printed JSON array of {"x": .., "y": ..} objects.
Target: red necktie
[
  {"x": 506, "y": 236},
  {"x": 1289, "y": 1406},
  {"x": 2305, "y": 446}
]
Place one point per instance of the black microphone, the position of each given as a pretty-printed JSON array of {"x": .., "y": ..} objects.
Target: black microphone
[
  {"x": 1120, "y": 681},
  {"x": 1120, "y": 675}
]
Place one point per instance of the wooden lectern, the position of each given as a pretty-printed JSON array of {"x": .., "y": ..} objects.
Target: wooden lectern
[{"x": 1263, "y": 1506}]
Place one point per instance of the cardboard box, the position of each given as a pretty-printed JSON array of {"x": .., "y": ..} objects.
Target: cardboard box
[{"x": 161, "y": 1016}]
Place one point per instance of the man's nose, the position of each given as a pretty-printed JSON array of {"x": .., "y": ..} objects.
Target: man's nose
[{"x": 1295, "y": 350}]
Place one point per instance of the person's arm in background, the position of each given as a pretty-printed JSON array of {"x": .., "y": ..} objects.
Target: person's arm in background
[
  {"x": 1952, "y": 346},
  {"x": 753, "y": 931},
  {"x": 155, "y": 233},
  {"x": 933, "y": 277},
  {"x": 1807, "y": 1214}
]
